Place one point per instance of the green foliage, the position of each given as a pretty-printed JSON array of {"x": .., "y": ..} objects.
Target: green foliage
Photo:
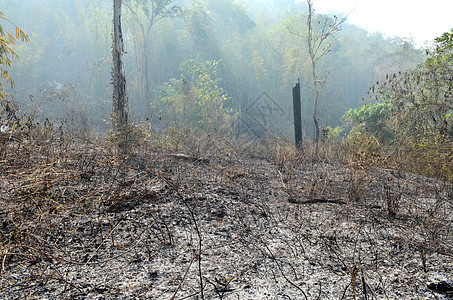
[
  {"x": 230, "y": 14},
  {"x": 422, "y": 98},
  {"x": 443, "y": 53},
  {"x": 7, "y": 53},
  {"x": 143, "y": 16},
  {"x": 195, "y": 99},
  {"x": 414, "y": 113},
  {"x": 258, "y": 54},
  {"x": 156, "y": 8},
  {"x": 332, "y": 133},
  {"x": 373, "y": 118},
  {"x": 198, "y": 31}
]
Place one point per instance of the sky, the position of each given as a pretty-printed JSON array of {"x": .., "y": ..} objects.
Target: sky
[{"x": 417, "y": 19}]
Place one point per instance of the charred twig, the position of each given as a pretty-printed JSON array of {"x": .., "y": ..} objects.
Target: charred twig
[
  {"x": 183, "y": 277},
  {"x": 197, "y": 229},
  {"x": 283, "y": 273}
]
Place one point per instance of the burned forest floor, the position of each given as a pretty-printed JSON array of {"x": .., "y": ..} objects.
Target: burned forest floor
[{"x": 79, "y": 221}]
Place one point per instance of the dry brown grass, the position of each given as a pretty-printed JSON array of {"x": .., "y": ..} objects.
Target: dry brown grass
[{"x": 62, "y": 203}]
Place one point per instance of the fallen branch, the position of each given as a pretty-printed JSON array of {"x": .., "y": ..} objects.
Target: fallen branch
[{"x": 313, "y": 201}]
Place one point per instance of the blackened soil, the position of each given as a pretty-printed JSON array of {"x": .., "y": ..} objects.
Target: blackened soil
[{"x": 175, "y": 227}]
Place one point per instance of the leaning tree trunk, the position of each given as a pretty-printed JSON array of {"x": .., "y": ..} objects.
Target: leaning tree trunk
[{"x": 120, "y": 111}]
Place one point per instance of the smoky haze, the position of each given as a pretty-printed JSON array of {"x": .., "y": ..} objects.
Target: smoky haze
[{"x": 66, "y": 68}]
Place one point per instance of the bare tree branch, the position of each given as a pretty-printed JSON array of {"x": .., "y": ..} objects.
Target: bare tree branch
[{"x": 316, "y": 41}]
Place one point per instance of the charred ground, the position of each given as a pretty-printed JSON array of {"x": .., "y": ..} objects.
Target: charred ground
[{"x": 80, "y": 221}]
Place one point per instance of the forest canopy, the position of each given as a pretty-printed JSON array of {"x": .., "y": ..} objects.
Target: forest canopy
[{"x": 252, "y": 43}]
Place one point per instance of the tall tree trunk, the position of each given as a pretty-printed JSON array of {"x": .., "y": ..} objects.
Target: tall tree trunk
[
  {"x": 120, "y": 111},
  {"x": 146, "y": 69},
  {"x": 297, "y": 115},
  {"x": 315, "y": 102},
  {"x": 313, "y": 58},
  {"x": 147, "y": 88}
]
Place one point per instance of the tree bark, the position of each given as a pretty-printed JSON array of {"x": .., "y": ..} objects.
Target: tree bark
[
  {"x": 120, "y": 113},
  {"x": 297, "y": 114},
  {"x": 315, "y": 40},
  {"x": 312, "y": 51}
]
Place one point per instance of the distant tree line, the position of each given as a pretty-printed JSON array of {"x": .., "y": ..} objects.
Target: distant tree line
[{"x": 250, "y": 44}]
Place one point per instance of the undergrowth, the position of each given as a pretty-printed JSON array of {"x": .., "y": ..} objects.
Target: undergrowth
[{"x": 52, "y": 177}]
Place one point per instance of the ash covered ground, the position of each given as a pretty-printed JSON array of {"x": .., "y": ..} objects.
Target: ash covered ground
[{"x": 166, "y": 226}]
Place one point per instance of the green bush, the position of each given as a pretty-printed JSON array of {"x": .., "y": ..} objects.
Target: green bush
[
  {"x": 373, "y": 118},
  {"x": 195, "y": 99}
]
